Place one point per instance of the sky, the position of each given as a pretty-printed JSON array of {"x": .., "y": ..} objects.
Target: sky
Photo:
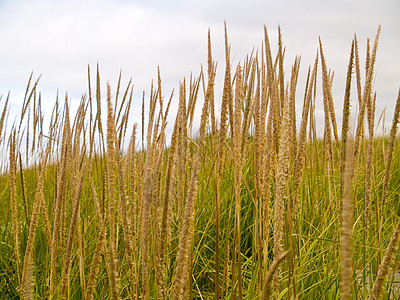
[{"x": 59, "y": 39}]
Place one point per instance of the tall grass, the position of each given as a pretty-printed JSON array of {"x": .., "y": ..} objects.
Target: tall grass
[{"x": 243, "y": 205}]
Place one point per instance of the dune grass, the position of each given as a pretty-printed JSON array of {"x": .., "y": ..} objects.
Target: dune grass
[{"x": 247, "y": 206}]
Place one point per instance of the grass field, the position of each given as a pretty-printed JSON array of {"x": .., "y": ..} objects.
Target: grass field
[{"x": 246, "y": 205}]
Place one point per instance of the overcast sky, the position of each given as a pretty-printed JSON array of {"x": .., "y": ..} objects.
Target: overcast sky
[{"x": 59, "y": 39}]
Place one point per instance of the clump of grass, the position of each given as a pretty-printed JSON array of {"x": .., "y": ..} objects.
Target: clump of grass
[
  {"x": 28, "y": 264},
  {"x": 60, "y": 201},
  {"x": 186, "y": 231},
  {"x": 208, "y": 211},
  {"x": 14, "y": 204},
  {"x": 388, "y": 257}
]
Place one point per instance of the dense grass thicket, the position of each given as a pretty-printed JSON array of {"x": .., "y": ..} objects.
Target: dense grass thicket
[{"x": 250, "y": 206}]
